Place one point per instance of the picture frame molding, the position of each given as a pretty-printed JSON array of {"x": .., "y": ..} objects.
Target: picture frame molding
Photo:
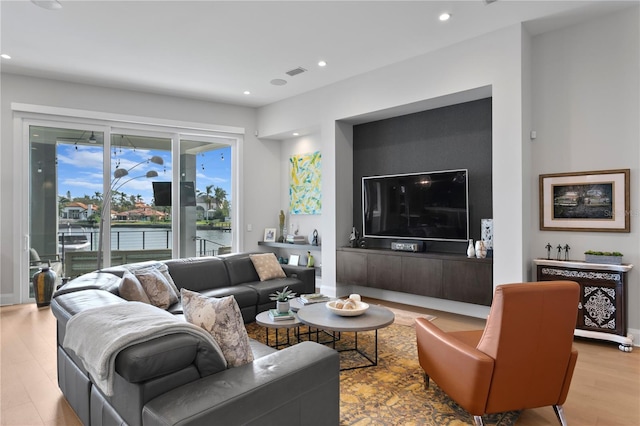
[{"x": 620, "y": 203}]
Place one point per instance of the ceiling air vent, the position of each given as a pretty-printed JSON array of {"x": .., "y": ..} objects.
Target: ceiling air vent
[{"x": 296, "y": 71}]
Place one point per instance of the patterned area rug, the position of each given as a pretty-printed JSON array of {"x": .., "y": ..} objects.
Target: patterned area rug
[{"x": 391, "y": 393}]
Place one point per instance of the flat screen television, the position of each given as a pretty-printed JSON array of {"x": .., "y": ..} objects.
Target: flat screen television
[
  {"x": 417, "y": 206},
  {"x": 162, "y": 193}
]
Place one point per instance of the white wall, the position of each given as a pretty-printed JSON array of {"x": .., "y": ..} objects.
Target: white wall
[
  {"x": 493, "y": 60},
  {"x": 256, "y": 153},
  {"x": 586, "y": 111},
  {"x": 305, "y": 224}
]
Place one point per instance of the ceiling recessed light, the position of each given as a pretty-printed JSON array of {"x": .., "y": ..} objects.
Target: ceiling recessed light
[
  {"x": 5, "y": 56},
  {"x": 322, "y": 64},
  {"x": 296, "y": 134},
  {"x": 445, "y": 16},
  {"x": 246, "y": 92}
]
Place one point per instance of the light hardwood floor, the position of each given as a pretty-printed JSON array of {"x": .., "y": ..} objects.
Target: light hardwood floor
[{"x": 605, "y": 390}]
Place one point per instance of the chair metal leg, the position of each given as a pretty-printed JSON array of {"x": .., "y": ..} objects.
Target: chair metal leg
[
  {"x": 477, "y": 421},
  {"x": 560, "y": 414}
]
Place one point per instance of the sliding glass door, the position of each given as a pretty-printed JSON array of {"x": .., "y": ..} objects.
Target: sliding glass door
[
  {"x": 103, "y": 196},
  {"x": 206, "y": 196},
  {"x": 65, "y": 183}
]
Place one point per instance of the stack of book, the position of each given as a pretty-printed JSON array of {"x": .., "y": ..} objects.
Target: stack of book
[
  {"x": 307, "y": 299},
  {"x": 280, "y": 316},
  {"x": 296, "y": 239}
]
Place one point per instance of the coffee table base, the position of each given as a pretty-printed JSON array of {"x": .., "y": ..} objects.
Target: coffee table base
[
  {"x": 277, "y": 343},
  {"x": 371, "y": 362}
]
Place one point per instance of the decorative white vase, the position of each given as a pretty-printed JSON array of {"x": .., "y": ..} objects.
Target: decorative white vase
[
  {"x": 481, "y": 249},
  {"x": 283, "y": 307},
  {"x": 471, "y": 252}
]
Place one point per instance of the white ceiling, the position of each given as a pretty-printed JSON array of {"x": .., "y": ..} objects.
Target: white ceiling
[{"x": 214, "y": 50}]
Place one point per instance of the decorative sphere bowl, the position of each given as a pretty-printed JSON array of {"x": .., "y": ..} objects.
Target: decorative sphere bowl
[{"x": 360, "y": 309}]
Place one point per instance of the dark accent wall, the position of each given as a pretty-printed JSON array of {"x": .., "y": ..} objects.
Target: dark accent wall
[{"x": 452, "y": 137}]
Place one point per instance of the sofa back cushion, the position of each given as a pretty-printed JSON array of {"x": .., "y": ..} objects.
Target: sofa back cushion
[
  {"x": 198, "y": 273},
  {"x": 91, "y": 281},
  {"x": 240, "y": 269}
]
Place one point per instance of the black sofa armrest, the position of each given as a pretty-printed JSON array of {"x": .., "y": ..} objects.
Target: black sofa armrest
[
  {"x": 304, "y": 274},
  {"x": 165, "y": 355},
  {"x": 301, "y": 382}
]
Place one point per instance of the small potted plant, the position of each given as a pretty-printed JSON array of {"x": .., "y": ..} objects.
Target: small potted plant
[
  {"x": 611, "y": 258},
  {"x": 282, "y": 299}
]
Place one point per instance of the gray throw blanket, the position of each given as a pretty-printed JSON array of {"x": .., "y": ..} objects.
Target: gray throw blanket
[{"x": 97, "y": 335}]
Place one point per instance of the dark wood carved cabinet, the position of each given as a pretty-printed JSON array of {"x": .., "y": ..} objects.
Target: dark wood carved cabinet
[
  {"x": 443, "y": 276},
  {"x": 602, "y": 310}
]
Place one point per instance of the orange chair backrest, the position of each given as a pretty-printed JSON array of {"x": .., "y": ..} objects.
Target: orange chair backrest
[{"x": 529, "y": 333}]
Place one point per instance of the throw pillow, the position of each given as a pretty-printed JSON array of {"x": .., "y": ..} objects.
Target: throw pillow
[
  {"x": 267, "y": 266},
  {"x": 160, "y": 266},
  {"x": 131, "y": 289},
  {"x": 221, "y": 318},
  {"x": 157, "y": 288}
]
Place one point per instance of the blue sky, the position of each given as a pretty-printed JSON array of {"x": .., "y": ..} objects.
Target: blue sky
[{"x": 80, "y": 170}]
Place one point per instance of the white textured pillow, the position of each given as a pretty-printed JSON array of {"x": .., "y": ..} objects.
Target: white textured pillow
[
  {"x": 221, "y": 318},
  {"x": 160, "y": 292},
  {"x": 131, "y": 289},
  {"x": 267, "y": 266}
]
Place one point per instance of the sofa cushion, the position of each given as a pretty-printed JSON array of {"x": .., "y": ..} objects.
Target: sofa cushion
[
  {"x": 131, "y": 289},
  {"x": 160, "y": 292},
  {"x": 265, "y": 288},
  {"x": 91, "y": 281},
  {"x": 240, "y": 269},
  {"x": 198, "y": 273},
  {"x": 245, "y": 297},
  {"x": 222, "y": 319},
  {"x": 267, "y": 266},
  {"x": 167, "y": 354}
]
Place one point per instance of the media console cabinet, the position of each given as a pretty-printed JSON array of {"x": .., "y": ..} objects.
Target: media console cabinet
[
  {"x": 602, "y": 309},
  {"x": 444, "y": 276}
]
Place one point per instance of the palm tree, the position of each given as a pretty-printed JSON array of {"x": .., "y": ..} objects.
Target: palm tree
[
  {"x": 206, "y": 196},
  {"x": 62, "y": 202},
  {"x": 122, "y": 200},
  {"x": 220, "y": 195}
]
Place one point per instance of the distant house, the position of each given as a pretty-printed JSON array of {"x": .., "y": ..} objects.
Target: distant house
[
  {"x": 143, "y": 213},
  {"x": 202, "y": 207},
  {"x": 77, "y": 210}
]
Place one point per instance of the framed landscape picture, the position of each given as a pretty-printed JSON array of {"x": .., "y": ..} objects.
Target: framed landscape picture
[{"x": 585, "y": 201}]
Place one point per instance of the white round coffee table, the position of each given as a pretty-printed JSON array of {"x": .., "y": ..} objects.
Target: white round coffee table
[
  {"x": 265, "y": 320},
  {"x": 373, "y": 319}
]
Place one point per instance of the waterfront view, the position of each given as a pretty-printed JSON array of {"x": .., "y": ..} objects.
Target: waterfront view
[{"x": 207, "y": 242}]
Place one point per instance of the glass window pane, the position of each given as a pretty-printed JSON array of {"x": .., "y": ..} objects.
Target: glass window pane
[
  {"x": 140, "y": 229},
  {"x": 205, "y": 171},
  {"x": 65, "y": 176}
]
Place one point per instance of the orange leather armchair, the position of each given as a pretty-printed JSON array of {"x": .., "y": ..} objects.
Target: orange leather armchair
[{"x": 523, "y": 359}]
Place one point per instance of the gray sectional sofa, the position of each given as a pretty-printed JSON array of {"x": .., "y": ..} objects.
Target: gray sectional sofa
[{"x": 178, "y": 379}]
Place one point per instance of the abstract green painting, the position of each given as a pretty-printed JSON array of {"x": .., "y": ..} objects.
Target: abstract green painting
[{"x": 305, "y": 192}]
